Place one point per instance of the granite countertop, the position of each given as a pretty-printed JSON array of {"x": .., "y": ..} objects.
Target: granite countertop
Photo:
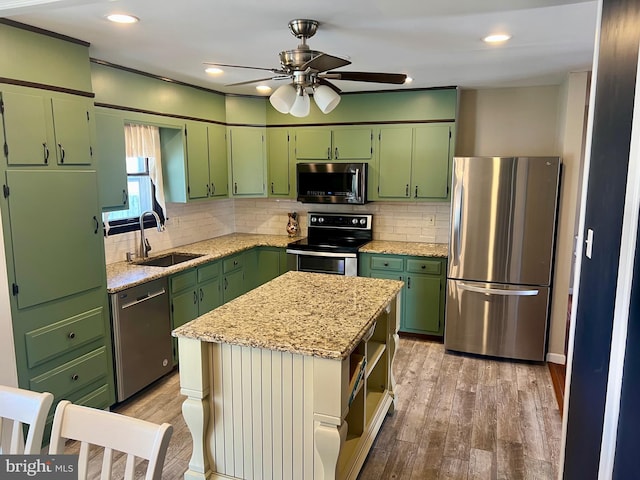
[
  {"x": 123, "y": 275},
  {"x": 304, "y": 313},
  {"x": 407, "y": 248}
]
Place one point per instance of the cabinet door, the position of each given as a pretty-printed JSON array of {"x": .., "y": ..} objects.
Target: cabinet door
[
  {"x": 56, "y": 234},
  {"x": 233, "y": 285},
  {"x": 268, "y": 265},
  {"x": 278, "y": 161},
  {"x": 430, "y": 174},
  {"x": 313, "y": 144},
  {"x": 72, "y": 130},
  {"x": 247, "y": 160},
  {"x": 25, "y": 146},
  {"x": 184, "y": 307},
  {"x": 112, "y": 166},
  {"x": 422, "y": 304},
  {"x": 218, "y": 167},
  {"x": 209, "y": 295},
  {"x": 197, "y": 160},
  {"x": 394, "y": 165},
  {"x": 352, "y": 144}
]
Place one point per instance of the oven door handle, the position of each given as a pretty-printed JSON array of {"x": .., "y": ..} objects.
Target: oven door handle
[{"x": 322, "y": 254}]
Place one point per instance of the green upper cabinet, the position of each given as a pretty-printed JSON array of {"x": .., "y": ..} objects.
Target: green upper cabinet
[
  {"x": 414, "y": 162},
  {"x": 338, "y": 143},
  {"x": 72, "y": 126},
  {"x": 54, "y": 254},
  {"x": 206, "y": 160},
  {"x": 278, "y": 157},
  {"x": 59, "y": 127},
  {"x": 112, "y": 167},
  {"x": 247, "y": 153},
  {"x": 218, "y": 164}
]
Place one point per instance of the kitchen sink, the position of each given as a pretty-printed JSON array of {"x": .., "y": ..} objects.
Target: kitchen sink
[{"x": 169, "y": 259}]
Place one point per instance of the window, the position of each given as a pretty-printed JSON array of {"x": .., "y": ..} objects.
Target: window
[{"x": 141, "y": 141}]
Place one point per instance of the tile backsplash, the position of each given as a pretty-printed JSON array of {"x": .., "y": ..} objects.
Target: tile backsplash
[{"x": 189, "y": 223}]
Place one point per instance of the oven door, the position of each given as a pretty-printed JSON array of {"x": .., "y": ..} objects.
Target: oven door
[{"x": 325, "y": 262}]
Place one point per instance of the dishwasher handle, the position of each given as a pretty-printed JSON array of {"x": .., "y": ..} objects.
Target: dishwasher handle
[{"x": 143, "y": 299}]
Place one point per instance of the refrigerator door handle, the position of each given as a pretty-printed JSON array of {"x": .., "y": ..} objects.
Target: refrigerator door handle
[
  {"x": 498, "y": 291},
  {"x": 457, "y": 221}
]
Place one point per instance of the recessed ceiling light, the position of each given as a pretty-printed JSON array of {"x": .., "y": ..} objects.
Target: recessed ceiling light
[
  {"x": 122, "y": 18},
  {"x": 497, "y": 38},
  {"x": 214, "y": 70},
  {"x": 408, "y": 80},
  {"x": 263, "y": 88}
]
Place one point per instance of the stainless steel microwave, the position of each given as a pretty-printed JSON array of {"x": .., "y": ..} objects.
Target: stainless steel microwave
[{"x": 332, "y": 182}]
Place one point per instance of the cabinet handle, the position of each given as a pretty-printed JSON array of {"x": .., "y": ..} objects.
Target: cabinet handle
[
  {"x": 406, "y": 190},
  {"x": 386, "y": 264},
  {"x": 328, "y": 153},
  {"x": 95, "y": 219},
  {"x": 46, "y": 153},
  {"x": 213, "y": 189},
  {"x": 235, "y": 187},
  {"x": 208, "y": 190},
  {"x": 423, "y": 267},
  {"x": 75, "y": 377},
  {"x": 271, "y": 187},
  {"x": 408, "y": 282},
  {"x": 201, "y": 294},
  {"x": 61, "y": 153},
  {"x": 71, "y": 335},
  {"x": 125, "y": 196},
  {"x": 416, "y": 195},
  {"x": 195, "y": 297},
  {"x": 225, "y": 283},
  {"x": 336, "y": 153}
]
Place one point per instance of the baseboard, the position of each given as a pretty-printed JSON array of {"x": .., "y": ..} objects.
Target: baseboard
[{"x": 556, "y": 358}]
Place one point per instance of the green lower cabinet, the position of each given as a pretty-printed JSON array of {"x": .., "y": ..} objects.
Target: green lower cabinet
[{"x": 423, "y": 291}]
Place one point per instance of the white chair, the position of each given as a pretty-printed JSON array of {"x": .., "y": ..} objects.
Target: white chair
[
  {"x": 20, "y": 407},
  {"x": 113, "y": 432}
]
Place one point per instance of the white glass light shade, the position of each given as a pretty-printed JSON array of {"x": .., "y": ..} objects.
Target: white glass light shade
[
  {"x": 283, "y": 98},
  {"x": 325, "y": 98},
  {"x": 302, "y": 105}
]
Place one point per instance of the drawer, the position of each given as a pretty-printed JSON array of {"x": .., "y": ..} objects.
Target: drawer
[
  {"x": 232, "y": 263},
  {"x": 183, "y": 280},
  {"x": 385, "y": 263},
  {"x": 98, "y": 398},
  {"x": 208, "y": 271},
  {"x": 72, "y": 376},
  {"x": 432, "y": 267},
  {"x": 64, "y": 336}
]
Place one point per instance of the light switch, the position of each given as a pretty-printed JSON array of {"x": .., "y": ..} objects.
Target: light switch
[{"x": 589, "y": 243}]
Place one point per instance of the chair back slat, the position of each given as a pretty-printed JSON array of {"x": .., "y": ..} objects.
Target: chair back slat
[
  {"x": 138, "y": 439},
  {"x": 20, "y": 407}
]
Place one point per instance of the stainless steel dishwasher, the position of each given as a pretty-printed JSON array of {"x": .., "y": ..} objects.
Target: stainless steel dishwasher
[{"x": 141, "y": 336}]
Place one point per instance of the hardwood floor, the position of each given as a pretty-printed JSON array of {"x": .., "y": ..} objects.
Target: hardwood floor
[{"x": 458, "y": 417}]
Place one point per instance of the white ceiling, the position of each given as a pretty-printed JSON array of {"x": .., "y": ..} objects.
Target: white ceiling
[{"x": 437, "y": 42}]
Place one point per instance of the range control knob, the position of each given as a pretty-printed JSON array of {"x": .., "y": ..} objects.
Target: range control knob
[
  {"x": 313, "y": 219},
  {"x": 320, "y": 219},
  {"x": 354, "y": 221},
  {"x": 363, "y": 221}
]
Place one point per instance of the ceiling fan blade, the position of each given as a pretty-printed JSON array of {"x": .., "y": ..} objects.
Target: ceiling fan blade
[
  {"x": 323, "y": 81},
  {"x": 274, "y": 70},
  {"x": 324, "y": 62},
  {"x": 250, "y": 81},
  {"x": 394, "y": 78}
]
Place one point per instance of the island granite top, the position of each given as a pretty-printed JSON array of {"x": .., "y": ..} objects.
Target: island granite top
[{"x": 313, "y": 314}]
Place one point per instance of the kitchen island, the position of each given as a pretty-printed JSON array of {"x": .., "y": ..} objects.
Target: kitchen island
[{"x": 291, "y": 380}]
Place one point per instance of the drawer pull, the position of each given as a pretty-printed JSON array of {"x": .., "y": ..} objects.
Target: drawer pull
[
  {"x": 71, "y": 335},
  {"x": 75, "y": 377},
  {"x": 386, "y": 264},
  {"x": 235, "y": 263},
  {"x": 423, "y": 267}
]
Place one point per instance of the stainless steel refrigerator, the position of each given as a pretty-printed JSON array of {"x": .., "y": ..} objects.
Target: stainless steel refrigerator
[{"x": 503, "y": 223}]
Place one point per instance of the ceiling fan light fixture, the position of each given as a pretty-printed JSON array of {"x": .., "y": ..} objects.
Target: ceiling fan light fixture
[
  {"x": 283, "y": 98},
  {"x": 302, "y": 105},
  {"x": 122, "y": 18},
  {"x": 326, "y": 99}
]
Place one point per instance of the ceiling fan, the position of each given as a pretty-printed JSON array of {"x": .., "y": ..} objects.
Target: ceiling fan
[{"x": 310, "y": 69}]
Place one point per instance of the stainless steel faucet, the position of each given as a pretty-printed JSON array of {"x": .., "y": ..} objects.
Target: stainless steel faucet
[{"x": 144, "y": 243}]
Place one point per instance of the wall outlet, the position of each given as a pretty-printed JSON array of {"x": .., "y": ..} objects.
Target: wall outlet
[{"x": 430, "y": 220}]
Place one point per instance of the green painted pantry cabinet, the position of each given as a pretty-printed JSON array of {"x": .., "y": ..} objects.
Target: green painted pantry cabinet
[{"x": 423, "y": 294}]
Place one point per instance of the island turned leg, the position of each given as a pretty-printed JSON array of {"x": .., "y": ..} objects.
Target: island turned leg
[
  {"x": 194, "y": 383},
  {"x": 329, "y": 439}
]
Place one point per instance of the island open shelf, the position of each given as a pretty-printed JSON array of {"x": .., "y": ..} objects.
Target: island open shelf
[{"x": 292, "y": 380}]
